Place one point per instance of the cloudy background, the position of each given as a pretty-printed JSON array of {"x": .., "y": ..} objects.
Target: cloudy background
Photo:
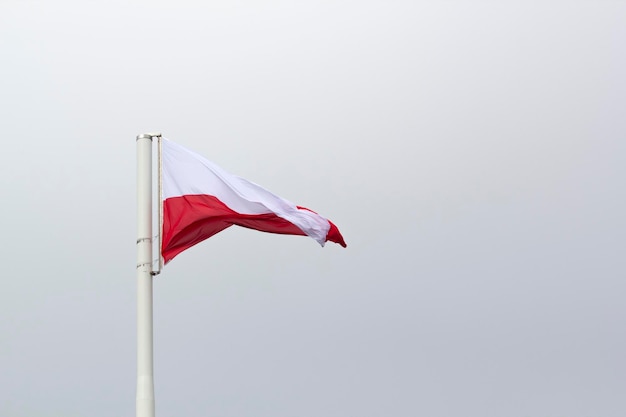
[{"x": 471, "y": 152}]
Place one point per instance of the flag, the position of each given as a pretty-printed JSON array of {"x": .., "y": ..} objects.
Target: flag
[{"x": 200, "y": 199}]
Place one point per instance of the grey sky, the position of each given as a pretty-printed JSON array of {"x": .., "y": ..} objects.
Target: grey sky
[{"x": 471, "y": 153}]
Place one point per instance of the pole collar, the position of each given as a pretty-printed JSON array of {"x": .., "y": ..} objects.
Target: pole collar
[{"x": 148, "y": 136}]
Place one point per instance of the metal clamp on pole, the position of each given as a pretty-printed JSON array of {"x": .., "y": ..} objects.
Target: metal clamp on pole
[{"x": 148, "y": 136}]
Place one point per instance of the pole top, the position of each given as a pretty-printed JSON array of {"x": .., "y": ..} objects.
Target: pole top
[{"x": 149, "y": 136}]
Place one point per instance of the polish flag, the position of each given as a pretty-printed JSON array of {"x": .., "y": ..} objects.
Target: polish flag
[{"x": 200, "y": 199}]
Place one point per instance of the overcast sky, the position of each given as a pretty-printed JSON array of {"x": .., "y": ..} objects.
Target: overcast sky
[{"x": 471, "y": 152}]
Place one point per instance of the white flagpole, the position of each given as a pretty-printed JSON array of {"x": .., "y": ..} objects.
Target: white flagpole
[{"x": 145, "y": 371}]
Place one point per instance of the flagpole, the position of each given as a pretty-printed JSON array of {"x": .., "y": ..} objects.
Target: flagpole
[{"x": 145, "y": 367}]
